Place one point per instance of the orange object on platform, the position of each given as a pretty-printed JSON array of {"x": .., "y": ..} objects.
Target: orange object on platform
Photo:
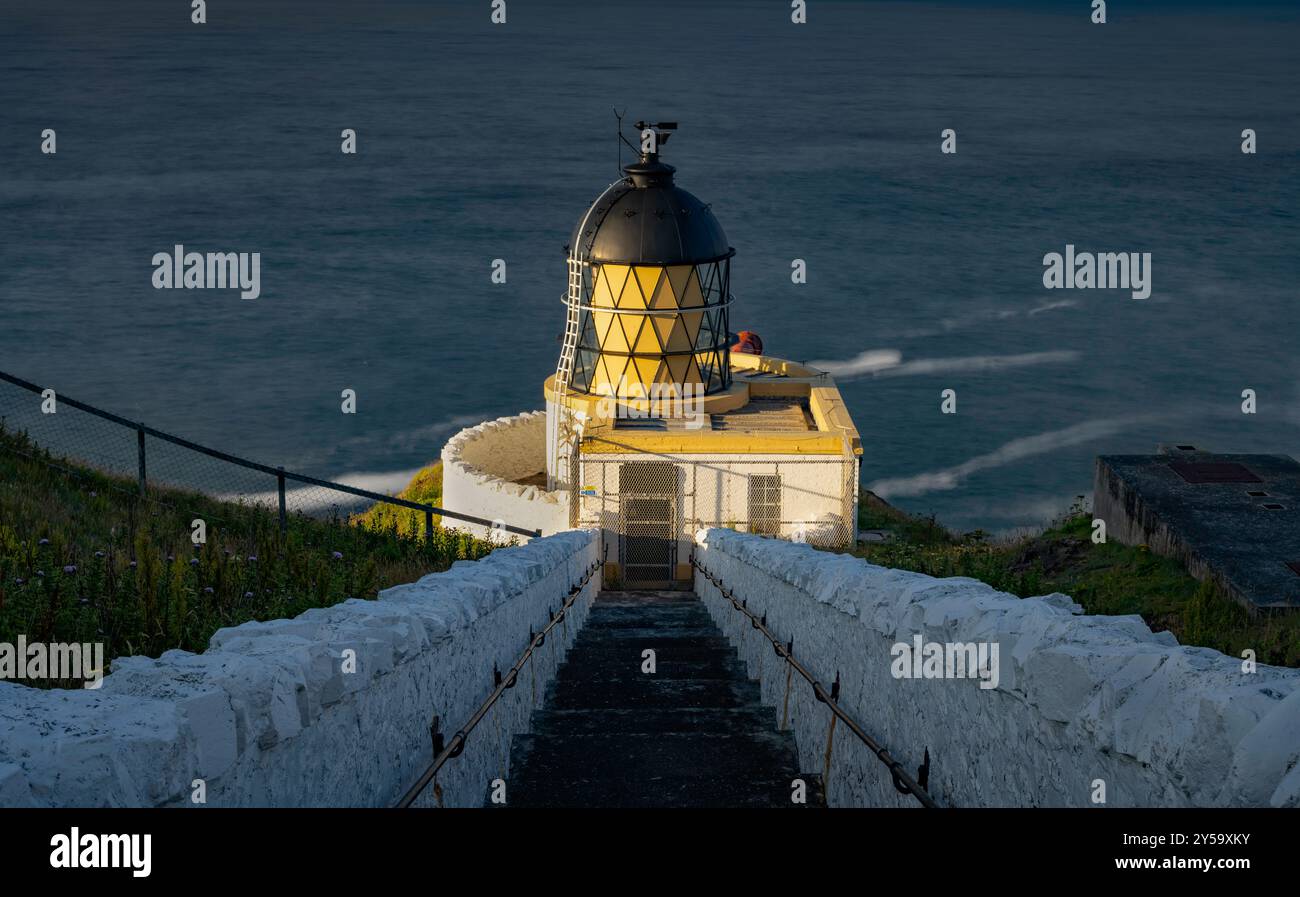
[{"x": 748, "y": 342}]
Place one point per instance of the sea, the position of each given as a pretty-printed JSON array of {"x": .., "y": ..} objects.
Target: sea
[{"x": 820, "y": 141}]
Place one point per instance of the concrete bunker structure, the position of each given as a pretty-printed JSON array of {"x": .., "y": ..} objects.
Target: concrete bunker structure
[{"x": 1231, "y": 518}]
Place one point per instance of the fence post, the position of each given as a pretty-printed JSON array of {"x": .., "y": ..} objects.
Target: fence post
[
  {"x": 428, "y": 524},
  {"x": 284, "y": 520},
  {"x": 139, "y": 433}
]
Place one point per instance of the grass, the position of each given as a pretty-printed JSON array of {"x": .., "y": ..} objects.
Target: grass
[
  {"x": 84, "y": 559},
  {"x": 425, "y": 487},
  {"x": 1107, "y": 578}
]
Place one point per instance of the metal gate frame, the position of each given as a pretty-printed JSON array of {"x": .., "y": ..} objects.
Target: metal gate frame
[{"x": 666, "y": 492}]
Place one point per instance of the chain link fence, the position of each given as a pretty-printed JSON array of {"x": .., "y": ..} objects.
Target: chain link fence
[{"x": 652, "y": 505}]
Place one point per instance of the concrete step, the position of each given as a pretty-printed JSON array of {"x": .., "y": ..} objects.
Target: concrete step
[
  {"x": 671, "y": 770},
  {"x": 635, "y": 617},
  {"x": 668, "y": 755},
  {"x": 769, "y": 792},
  {"x": 642, "y": 598},
  {"x": 650, "y": 721},
  {"x": 627, "y": 665},
  {"x": 648, "y": 692},
  {"x": 596, "y": 652},
  {"x": 653, "y": 629},
  {"x": 601, "y": 610},
  {"x": 702, "y": 635}
]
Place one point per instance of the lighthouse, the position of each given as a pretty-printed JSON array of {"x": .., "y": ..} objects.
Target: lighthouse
[{"x": 661, "y": 421}]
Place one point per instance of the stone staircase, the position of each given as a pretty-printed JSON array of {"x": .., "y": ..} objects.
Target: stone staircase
[{"x": 692, "y": 734}]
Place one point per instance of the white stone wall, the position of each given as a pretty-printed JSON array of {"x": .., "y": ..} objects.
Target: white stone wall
[
  {"x": 1080, "y": 698},
  {"x": 268, "y": 718},
  {"x": 479, "y": 466}
]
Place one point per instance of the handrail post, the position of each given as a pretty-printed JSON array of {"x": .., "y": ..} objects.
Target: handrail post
[
  {"x": 139, "y": 434},
  {"x": 143, "y": 430},
  {"x": 284, "y": 517},
  {"x": 500, "y": 684},
  {"x": 917, "y": 788},
  {"x": 428, "y": 525}
]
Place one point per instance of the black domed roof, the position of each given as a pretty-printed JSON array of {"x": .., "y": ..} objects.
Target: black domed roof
[{"x": 647, "y": 219}]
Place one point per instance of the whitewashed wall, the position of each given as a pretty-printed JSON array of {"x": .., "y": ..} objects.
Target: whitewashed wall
[
  {"x": 1081, "y": 697},
  {"x": 268, "y": 718},
  {"x": 479, "y": 466},
  {"x": 714, "y": 489}
]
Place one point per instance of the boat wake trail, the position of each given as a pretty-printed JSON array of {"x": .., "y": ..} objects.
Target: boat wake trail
[
  {"x": 890, "y": 363},
  {"x": 1008, "y": 453}
]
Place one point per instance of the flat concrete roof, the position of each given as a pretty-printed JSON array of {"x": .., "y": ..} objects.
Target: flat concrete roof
[
  {"x": 772, "y": 415},
  {"x": 1238, "y": 515},
  {"x": 774, "y": 406}
]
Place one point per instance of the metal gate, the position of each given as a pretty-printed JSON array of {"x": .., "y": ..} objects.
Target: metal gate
[
  {"x": 647, "y": 523},
  {"x": 649, "y": 507}
]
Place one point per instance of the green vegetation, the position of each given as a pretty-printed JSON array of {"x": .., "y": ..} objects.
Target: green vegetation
[
  {"x": 425, "y": 487},
  {"x": 84, "y": 559},
  {"x": 1104, "y": 579}
]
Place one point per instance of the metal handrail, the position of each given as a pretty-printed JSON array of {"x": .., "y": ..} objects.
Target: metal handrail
[
  {"x": 903, "y": 782},
  {"x": 454, "y": 748},
  {"x": 279, "y": 473}
]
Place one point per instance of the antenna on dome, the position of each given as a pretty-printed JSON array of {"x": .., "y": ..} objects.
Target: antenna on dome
[
  {"x": 622, "y": 139},
  {"x": 663, "y": 130}
]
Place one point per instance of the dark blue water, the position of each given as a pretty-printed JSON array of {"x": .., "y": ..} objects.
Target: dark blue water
[{"x": 818, "y": 142}]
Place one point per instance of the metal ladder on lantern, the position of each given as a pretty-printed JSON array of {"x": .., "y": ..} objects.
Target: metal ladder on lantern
[
  {"x": 564, "y": 428},
  {"x": 565, "y": 447},
  {"x": 573, "y": 299}
]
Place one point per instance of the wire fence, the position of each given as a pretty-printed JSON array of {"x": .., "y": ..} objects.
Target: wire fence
[
  {"x": 650, "y": 507},
  {"x": 804, "y": 499},
  {"x": 110, "y": 443}
]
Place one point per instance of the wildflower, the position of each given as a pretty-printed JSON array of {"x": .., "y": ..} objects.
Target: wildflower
[
  {"x": 40, "y": 573},
  {"x": 71, "y": 568},
  {"x": 338, "y": 555},
  {"x": 248, "y": 595},
  {"x": 43, "y": 542},
  {"x": 132, "y": 565},
  {"x": 93, "y": 493},
  {"x": 18, "y": 580},
  {"x": 252, "y": 559},
  {"x": 83, "y": 601},
  {"x": 99, "y": 554},
  {"x": 194, "y": 562},
  {"x": 208, "y": 590},
  {"x": 170, "y": 558}
]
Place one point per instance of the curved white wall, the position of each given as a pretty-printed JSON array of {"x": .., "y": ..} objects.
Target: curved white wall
[{"x": 479, "y": 466}]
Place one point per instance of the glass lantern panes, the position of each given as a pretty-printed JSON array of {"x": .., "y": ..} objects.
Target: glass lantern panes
[{"x": 648, "y": 325}]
